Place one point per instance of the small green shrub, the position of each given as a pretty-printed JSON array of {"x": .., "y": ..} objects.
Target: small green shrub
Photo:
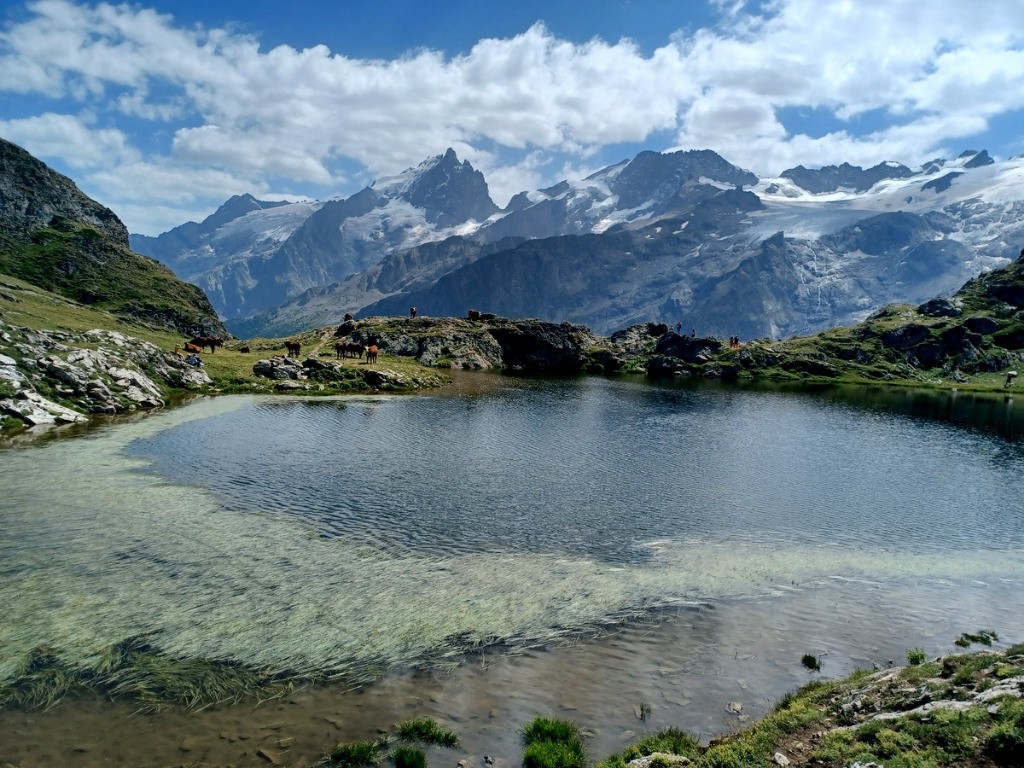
[
  {"x": 915, "y": 656},
  {"x": 409, "y": 757},
  {"x": 1004, "y": 744},
  {"x": 356, "y": 754}
]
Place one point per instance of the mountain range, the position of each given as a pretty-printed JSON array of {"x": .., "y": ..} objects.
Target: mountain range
[{"x": 681, "y": 238}]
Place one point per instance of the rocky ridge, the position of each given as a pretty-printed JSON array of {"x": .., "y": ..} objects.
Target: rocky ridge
[
  {"x": 58, "y": 238},
  {"x": 62, "y": 377}
]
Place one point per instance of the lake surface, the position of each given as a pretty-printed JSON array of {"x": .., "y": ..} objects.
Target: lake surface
[{"x": 369, "y": 534}]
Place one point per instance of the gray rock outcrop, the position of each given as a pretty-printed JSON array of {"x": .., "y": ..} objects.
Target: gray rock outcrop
[{"x": 59, "y": 377}]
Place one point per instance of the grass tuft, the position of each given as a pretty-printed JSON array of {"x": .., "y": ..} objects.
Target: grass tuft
[
  {"x": 553, "y": 743},
  {"x": 409, "y": 757},
  {"x": 427, "y": 731},
  {"x": 356, "y": 754}
]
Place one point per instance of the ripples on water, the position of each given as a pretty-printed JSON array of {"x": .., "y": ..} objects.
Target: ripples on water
[
  {"x": 331, "y": 533},
  {"x": 602, "y": 470}
]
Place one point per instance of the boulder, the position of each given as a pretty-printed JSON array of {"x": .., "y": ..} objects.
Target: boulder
[
  {"x": 278, "y": 367},
  {"x": 982, "y": 324},
  {"x": 906, "y": 336},
  {"x": 941, "y": 308}
]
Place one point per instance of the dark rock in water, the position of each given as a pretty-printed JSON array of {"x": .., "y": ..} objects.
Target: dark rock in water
[{"x": 940, "y": 308}]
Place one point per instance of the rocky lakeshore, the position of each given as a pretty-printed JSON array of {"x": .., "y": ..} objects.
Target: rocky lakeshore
[
  {"x": 61, "y": 377},
  {"x": 959, "y": 710}
]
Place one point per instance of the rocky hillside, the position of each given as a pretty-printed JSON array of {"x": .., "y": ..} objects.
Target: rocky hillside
[
  {"x": 65, "y": 376},
  {"x": 979, "y": 330},
  {"x": 55, "y": 237}
]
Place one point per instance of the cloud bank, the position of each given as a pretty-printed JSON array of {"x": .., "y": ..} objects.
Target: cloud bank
[{"x": 162, "y": 122}]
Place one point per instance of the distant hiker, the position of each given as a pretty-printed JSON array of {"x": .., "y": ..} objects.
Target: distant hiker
[
  {"x": 1010, "y": 376},
  {"x": 412, "y": 311},
  {"x": 693, "y": 333}
]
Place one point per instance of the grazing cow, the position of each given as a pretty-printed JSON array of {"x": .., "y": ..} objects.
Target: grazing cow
[
  {"x": 349, "y": 349},
  {"x": 473, "y": 314},
  {"x": 371, "y": 353},
  {"x": 190, "y": 347},
  {"x": 293, "y": 348},
  {"x": 348, "y": 316},
  {"x": 244, "y": 350},
  {"x": 207, "y": 341}
]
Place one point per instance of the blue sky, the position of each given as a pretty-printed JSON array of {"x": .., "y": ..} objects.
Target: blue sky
[{"x": 162, "y": 110}]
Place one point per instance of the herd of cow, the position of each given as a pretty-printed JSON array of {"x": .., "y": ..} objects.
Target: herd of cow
[{"x": 293, "y": 348}]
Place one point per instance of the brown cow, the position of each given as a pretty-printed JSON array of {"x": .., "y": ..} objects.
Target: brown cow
[
  {"x": 207, "y": 341},
  {"x": 371, "y": 353},
  {"x": 293, "y": 348},
  {"x": 473, "y": 314},
  {"x": 190, "y": 347}
]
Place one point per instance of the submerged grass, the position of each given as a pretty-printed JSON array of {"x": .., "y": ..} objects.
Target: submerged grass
[{"x": 133, "y": 670}]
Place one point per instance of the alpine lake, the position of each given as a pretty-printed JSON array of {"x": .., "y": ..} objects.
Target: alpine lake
[{"x": 625, "y": 554}]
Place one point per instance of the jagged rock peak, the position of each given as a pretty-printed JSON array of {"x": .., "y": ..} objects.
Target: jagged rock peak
[
  {"x": 450, "y": 191},
  {"x": 656, "y": 175},
  {"x": 237, "y": 206},
  {"x": 32, "y": 194},
  {"x": 831, "y": 178}
]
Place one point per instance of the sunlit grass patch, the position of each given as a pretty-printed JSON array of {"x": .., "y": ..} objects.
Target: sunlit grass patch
[{"x": 553, "y": 743}]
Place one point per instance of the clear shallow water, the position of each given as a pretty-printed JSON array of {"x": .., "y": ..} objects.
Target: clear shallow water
[{"x": 367, "y": 533}]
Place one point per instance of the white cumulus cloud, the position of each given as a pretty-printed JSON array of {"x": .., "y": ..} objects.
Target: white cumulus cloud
[{"x": 119, "y": 88}]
